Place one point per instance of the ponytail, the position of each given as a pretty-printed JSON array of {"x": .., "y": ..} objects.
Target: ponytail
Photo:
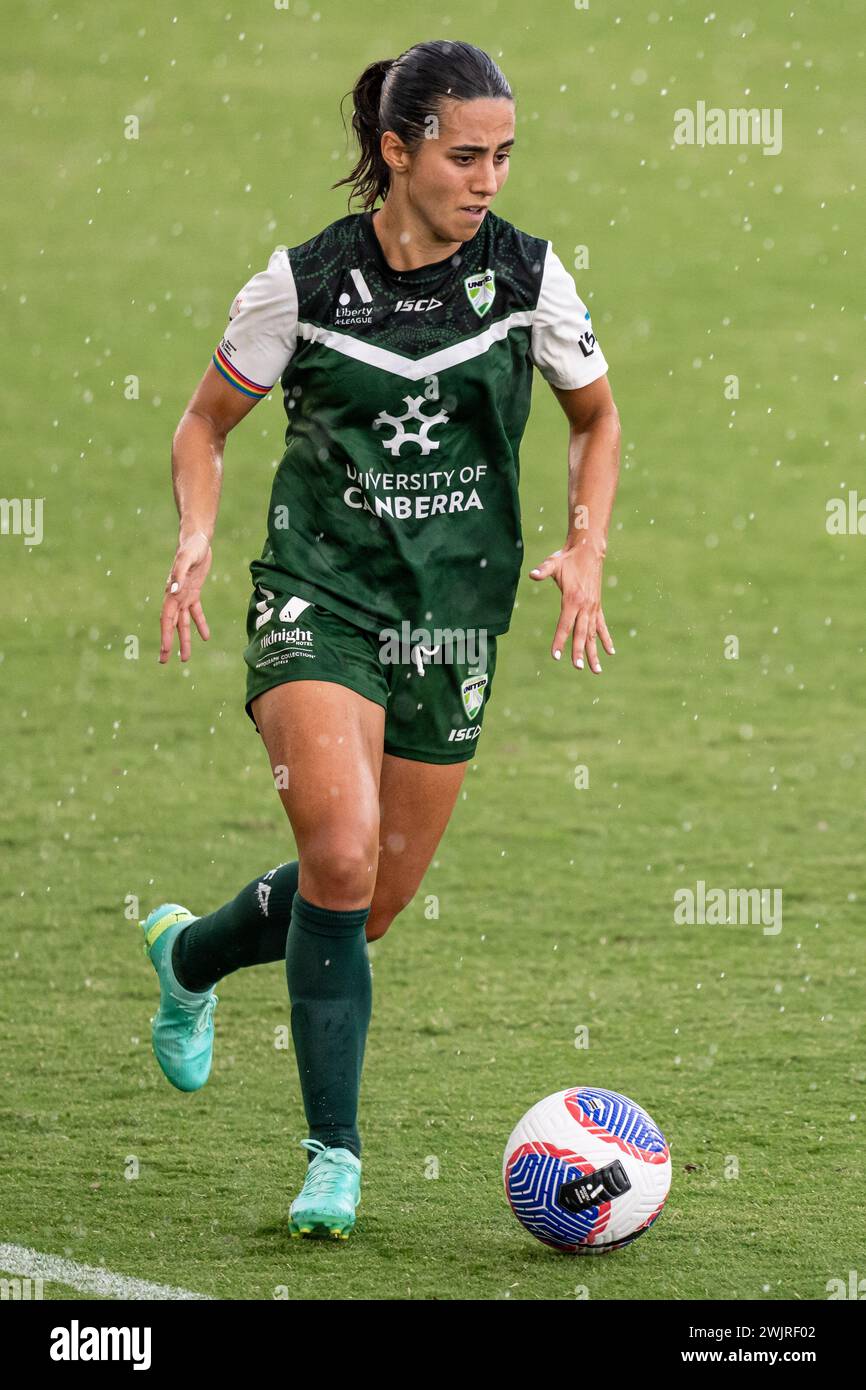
[{"x": 370, "y": 176}]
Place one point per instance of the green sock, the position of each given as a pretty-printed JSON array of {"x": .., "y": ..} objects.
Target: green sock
[
  {"x": 250, "y": 930},
  {"x": 328, "y": 974}
]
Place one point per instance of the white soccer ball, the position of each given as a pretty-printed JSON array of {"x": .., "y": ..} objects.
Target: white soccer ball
[{"x": 586, "y": 1171}]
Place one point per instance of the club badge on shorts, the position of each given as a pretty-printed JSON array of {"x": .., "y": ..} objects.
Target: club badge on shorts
[
  {"x": 472, "y": 691},
  {"x": 481, "y": 290}
]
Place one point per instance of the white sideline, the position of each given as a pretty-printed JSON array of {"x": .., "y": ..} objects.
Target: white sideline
[{"x": 25, "y": 1263}]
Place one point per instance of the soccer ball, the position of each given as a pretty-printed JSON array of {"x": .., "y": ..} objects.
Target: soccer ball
[{"x": 586, "y": 1171}]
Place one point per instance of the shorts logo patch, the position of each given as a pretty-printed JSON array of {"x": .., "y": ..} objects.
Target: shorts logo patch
[
  {"x": 472, "y": 691},
  {"x": 292, "y": 636},
  {"x": 290, "y": 611},
  {"x": 263, "y": 608}
]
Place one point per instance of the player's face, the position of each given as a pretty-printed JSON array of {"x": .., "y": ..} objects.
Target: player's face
[{"x": 462, "y": 165}]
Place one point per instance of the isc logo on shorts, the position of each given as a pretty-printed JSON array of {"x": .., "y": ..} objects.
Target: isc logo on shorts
[{"x": 458, "y": 735}]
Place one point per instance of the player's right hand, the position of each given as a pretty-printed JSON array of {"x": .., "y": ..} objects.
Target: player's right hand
[{"x": 192, "y": 562}]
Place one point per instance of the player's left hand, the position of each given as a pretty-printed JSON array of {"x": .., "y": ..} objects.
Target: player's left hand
[{"x": 577, "y": 571}]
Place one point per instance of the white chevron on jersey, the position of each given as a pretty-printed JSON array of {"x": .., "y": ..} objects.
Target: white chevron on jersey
[{"x": 414, "y": 369}]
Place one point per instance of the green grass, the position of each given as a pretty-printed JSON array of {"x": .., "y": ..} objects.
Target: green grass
[{"x": 556, "y": 905}]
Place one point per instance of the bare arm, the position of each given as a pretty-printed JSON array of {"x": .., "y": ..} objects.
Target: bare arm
[
  {"x": 196, "y": 472},
  {"x": 593, "y": 470}
]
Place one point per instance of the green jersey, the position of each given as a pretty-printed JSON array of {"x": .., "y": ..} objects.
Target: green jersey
[{"x": 407, "y": 394}]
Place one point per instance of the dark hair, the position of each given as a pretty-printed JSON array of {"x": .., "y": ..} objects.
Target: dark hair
[{"x": 401, "y": 94}]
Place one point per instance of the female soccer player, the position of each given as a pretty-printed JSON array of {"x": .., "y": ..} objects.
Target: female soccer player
[{"x": 404, "y": 339}]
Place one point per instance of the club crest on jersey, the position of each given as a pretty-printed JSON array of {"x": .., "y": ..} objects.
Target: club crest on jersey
[
  {"x": 481, "y": 290},
  {"x": 472, "y": 691}
]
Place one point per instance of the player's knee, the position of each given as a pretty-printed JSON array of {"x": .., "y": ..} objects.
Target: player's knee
[{"x": 340, "y": 872}]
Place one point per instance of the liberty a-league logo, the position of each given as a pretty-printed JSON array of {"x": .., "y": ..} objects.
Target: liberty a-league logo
[
  {"x": 472, "y": 691},
  {"x": 481, "y": 291},
  {"x": 351, "y": 313}
]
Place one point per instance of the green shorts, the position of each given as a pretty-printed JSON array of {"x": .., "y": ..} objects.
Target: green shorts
[{"x": 434, "y": 696}]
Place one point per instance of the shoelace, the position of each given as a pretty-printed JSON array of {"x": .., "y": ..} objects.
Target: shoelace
[
  {"x": 201, "y": 1015},
  {"x": 204, "y": 1018},
  {"x": 320, "y": 1174}
]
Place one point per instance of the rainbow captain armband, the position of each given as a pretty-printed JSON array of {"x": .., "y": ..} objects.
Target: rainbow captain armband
[{"x": 222, "y": 362}]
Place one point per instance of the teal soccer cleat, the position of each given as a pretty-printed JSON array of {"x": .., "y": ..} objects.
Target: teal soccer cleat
[
  {"x": 182, "y": 1028},
  {"x": 325, "y": 1205}
]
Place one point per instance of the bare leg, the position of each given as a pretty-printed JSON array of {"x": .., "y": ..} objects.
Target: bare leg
[
  {"x": 416, "y": 800},
  {"x": 325, "y": 746},
  {"x": 415, "y": 803},
  {"x": 325, "y": 742}
]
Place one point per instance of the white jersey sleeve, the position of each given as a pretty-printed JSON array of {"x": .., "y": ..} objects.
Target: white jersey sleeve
[
  {"x": 262, "y": 330},
  {"x": 563, "y": 346}
]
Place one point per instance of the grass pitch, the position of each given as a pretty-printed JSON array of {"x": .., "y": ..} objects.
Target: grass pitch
[{"x": 556, "y": 905}]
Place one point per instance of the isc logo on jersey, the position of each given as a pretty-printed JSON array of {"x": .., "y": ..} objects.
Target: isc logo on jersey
[{"x": 416, "y": 306}]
